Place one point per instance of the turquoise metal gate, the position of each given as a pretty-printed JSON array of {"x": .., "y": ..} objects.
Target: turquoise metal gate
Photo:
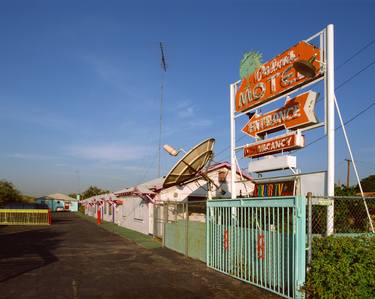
[{"x": 260, "y": 241}]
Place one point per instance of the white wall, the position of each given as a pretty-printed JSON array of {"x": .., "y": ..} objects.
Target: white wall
[
  {"x": 134, "y": 214},
  {"x": 108, "y": 212},
  {"x": 151, "y": 218},
  {"x": 118, "y": 214},
  {"x": 90, "y": 210}
]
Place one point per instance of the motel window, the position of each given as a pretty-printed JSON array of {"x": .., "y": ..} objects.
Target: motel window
[
  {"x": 138, "y": 211},
  {"x": 124, "y": 211},
  {"x": 222, "y": 176},
  {"x": 110, "y": 207},
  {"x": 197, "y": 207},
  {"x": 105, "y": 208}
]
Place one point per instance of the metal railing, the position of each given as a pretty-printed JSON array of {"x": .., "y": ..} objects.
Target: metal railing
[
  {"x": 260, "y": 241},
  {"x": 25, "y": 217}
]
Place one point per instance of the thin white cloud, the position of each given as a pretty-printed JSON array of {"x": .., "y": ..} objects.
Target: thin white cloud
[
  {"x": 201, "y": 123},
  {"x": 60, "y": 165},
  {"x": 108, "y": 152},
  {"x": 183, "y": 109},
  {"x": 120, "y": 78},
  {"x": 110, "y": 73},
  {"x": 27, "y": 156},
  {"x": 35, "y": 115},
  {"x": 368, "y": 149},
  {"x": 187, "y": 126},
  {"x": 186, "y": 112},
  {"x": 181, "y": 104}
]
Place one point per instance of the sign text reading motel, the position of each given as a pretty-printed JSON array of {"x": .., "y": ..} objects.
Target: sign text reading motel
[
  {"x": 275, "y": 145},
  {"x": 276, "y": 77},
  {"x": 296, "y": 113}
]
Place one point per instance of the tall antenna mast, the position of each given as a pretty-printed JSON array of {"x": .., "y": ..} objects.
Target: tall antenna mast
[{"x": 163, "y": 65}]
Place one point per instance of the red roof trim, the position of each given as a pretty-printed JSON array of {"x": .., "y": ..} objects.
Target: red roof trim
[{"x": 228, "y": 166}]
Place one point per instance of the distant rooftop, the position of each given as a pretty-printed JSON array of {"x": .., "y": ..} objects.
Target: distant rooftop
[{"x": 59, "y": 196}]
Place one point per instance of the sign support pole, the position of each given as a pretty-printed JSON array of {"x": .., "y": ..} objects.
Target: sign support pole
[
  {"x": 233, "y": 141},
  {"x": 330, "y": 77}
]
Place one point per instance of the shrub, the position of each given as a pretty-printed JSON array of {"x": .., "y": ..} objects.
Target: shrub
[
  {"x": 342, "y": 267},
  {"x": 8, "y": 193},
  {"x": 81, "y": 208}
]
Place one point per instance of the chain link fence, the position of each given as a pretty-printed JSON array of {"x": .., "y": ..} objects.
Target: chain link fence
[
  {"x": 349, "y": 221},
  {"x": 350, "y": 215},
  {"x": 338, "y": 216}
]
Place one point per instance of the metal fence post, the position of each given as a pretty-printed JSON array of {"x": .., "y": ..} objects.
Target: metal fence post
[
  {"x": 300, "y": 246},
  {"x": 187, "y": 229},
  {"x": 165, "y": 221},
  {"x": 309, "y": 223},
  {"x": 207, "y": 233}
]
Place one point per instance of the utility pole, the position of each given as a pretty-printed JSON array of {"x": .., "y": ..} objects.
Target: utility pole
[
  {"x": 348, "y": 173},
  {"x": 330, "y": 123},
  {"x": 163, "y": 65}
]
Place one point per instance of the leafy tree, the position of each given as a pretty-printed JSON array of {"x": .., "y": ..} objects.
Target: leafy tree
[
  {"x": 92, "y": 191},
  {"x": 368, "y": 183},
  {"x": 8, "y": 192},
  {"x": 343, "y": 191},
  {"x": 73, "y": 195},
  {"x": 28, "y": 198}
]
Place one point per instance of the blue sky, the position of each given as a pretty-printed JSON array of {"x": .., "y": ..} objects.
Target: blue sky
[{"x": 80, "y": 83}]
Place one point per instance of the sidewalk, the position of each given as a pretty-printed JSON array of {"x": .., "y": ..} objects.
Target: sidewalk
[{"x": 141, "y": 239}]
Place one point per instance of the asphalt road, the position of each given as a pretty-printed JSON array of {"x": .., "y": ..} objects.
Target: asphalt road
[{"x": 75, "y": 258}]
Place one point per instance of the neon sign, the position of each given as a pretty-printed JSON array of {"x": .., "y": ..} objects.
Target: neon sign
[{"x": 275, "y": 77}]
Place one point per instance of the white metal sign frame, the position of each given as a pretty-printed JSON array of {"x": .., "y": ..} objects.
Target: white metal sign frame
[{"x": 326, "y": 45}]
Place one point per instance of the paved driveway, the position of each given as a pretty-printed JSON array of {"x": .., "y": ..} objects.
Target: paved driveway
[{"x": 75, "y": 258}]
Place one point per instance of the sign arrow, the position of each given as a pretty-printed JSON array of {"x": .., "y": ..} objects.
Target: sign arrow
[{"x": 297, "y": 112}]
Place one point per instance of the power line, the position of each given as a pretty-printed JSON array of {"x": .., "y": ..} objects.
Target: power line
[
  {"x": 228, "y": 147},
  {"x": 355, "y": 75},
  {"x": 345, "y": 123},
  {"x": 355, "y": 54},
  {"x": 352, "y": 77},
  {"x": 364, "y": 162}
]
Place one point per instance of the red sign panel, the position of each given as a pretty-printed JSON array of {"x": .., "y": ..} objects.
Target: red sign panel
[
  {"x": 276, "y": 77},
  {"x": 226, "y": 242},
  {"x": 275, "y": 145},
  {"x": 296, "y": 113},
  {"x": 260, "y": 246}
]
